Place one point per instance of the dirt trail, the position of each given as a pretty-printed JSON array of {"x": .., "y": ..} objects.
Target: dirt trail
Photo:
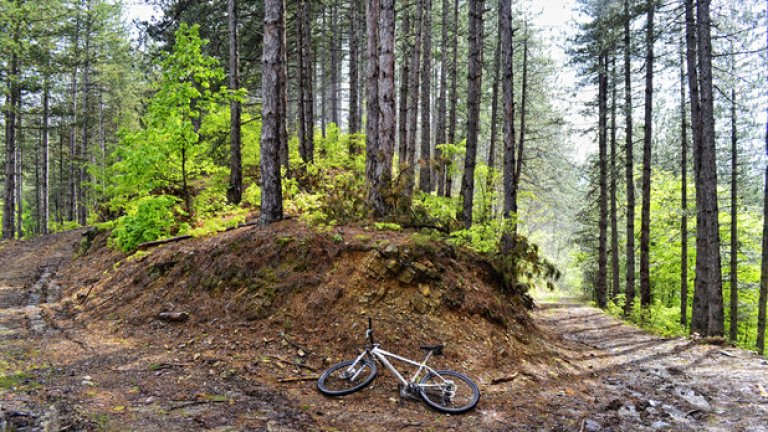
[
  {"x": 57, "y": 373},
  {"x": 27, "y": 279},
  {"x": 652, "y": 383}
]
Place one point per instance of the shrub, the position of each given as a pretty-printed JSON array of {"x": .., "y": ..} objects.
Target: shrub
[{"x": 148, "y": 219}]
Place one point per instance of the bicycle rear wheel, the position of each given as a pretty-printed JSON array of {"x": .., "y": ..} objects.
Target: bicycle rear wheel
[
  {"x": 449, "y": 392},
  {"x": 339, "y": 380}
]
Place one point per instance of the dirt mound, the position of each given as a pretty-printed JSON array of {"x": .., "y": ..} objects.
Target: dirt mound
[{"x": 318, "y": 287}]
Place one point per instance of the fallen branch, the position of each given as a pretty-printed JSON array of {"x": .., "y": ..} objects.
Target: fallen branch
[
  {"x": 294, "y": 344},
  {"x": 290, "y": 363},
  {"x": 196, "y": 402},
  {"x": 428, "y": 226},
  {"x": 295, "y": 379},
  {"x": 150, "y": 244},
  {"x": 173, "y": 316},
  {"x": 504, "y": 379}
]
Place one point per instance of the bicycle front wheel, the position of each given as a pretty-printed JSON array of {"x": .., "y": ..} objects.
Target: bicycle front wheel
[
  {"x": 449, "y": 392},
  {"x": 340, "y": 379}
]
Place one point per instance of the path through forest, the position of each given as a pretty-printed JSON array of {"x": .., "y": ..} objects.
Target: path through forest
[
  {"x": 653, "y": 383},
  {"x": 614, "y": 377}
]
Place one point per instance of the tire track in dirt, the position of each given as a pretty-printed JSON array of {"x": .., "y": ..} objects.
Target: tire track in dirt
[{"x": 653, "y": 383}]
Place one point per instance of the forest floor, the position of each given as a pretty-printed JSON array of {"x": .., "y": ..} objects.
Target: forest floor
[{"x": 61, "y": 372}]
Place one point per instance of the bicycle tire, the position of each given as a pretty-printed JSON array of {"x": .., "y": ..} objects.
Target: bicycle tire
[
  {"x": 325, "y": 386},
  {"x": 466, "y": 390}
]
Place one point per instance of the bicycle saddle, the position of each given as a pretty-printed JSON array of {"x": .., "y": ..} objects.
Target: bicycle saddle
[{"x": 436, "y": 349}]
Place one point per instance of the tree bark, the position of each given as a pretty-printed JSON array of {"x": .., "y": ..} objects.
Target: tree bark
[
  {"x": 441, "y": 101},
  {"x": 494, "y": 122},
  {"x": 425, "y": 181},
  {"x": 19, "y": 168},
  {"x": 306, "y": 99},
  {"x": 10, "y": 150},
  {"x": 323, "y": 74},
  {"x": 452, "y": 114},
  {"x": 372, "y": 123},
  {"x": 283, "y": 83},
  {"x": 601, "y": 287},
  {"x": 508, "y": 119},
  {"x": 402, "y": 123},
  {"x": 708, "y": 262},
  {"x": 44, "y": 192},
  {"x": 474, "y": 87},
  {"x": 354, "y": 121},
  {"x": 235, "y": 190},
  {"x": 72, "y": 183},
  {"x": 413, "y": 103},
  {"x": 387, "y": 109},
  {"x": 645, "y": 215},
  {"x": 614, "y": 179},
  {"x": 82, "y": 176},
  {"x": 683, "y": 197},
  {"x": 334, "y": 99},
  {"x": 629, "y": 164},
  {"x": 272, "y": 57},
  {"x": 523, "y": 110}
]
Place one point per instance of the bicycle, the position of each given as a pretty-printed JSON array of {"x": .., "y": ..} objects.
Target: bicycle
[{"x": 446, "y": 391}]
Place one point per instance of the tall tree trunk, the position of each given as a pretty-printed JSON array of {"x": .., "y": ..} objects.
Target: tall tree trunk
[
  {"x": 700, "y": 305},
  {"x": 763, "y": 299},
  {"x": 323, "y": 74},
  {"x": 645, "y": 214},
  {"x": 413, "y": 103},
  {"x": 387, "y": 109},
  {"x": 73, "y": 163},
  {"x": 601, "y": 287},
  {"x": 629, "y": 163},
  {"x": 452, "y": 112},
  {"x": 271, "y": 192},
  {"x": 494, "y": 122},
  {"x": 372, "y": 99},
  {"x": 708, "y": 262},
  {"x": 235, "y": 190},
  {"x": 474, "y": 87},
  {"x": 614, "y": 180},
  {"x": 508, "y": 118},
  {"x": 441, "y": 100},
  {"x": 38, "y": 201},
  {"x": 683, "y": 197},
  {"x": 402, "y": 123},
  {"x": 10, "y": 151},
  {"x": 82, "y": 176},
  {"x": 306, "y": 100},
  {"x": 354, "y": 121},
  {"x": 19, "y": 168},
  {"x": 734, "y": 276},
  {"x": 334, "y": 63},
  {"x": 425, "y": 181},
  {"x": 523, "y": 114},
  {"x": 283, "y": 125},
  {"x": 44, "y": 192}
]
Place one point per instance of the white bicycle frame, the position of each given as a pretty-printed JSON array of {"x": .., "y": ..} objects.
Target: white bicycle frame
[{"x": 382, "y": 356}]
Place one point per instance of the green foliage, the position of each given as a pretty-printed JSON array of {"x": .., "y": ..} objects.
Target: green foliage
[
  {"x": 332, "y": 190},
  {"x": 167, "y": 155},
  {"x": 386, "y": 226},
  {"x": 148, "y": 219}
]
